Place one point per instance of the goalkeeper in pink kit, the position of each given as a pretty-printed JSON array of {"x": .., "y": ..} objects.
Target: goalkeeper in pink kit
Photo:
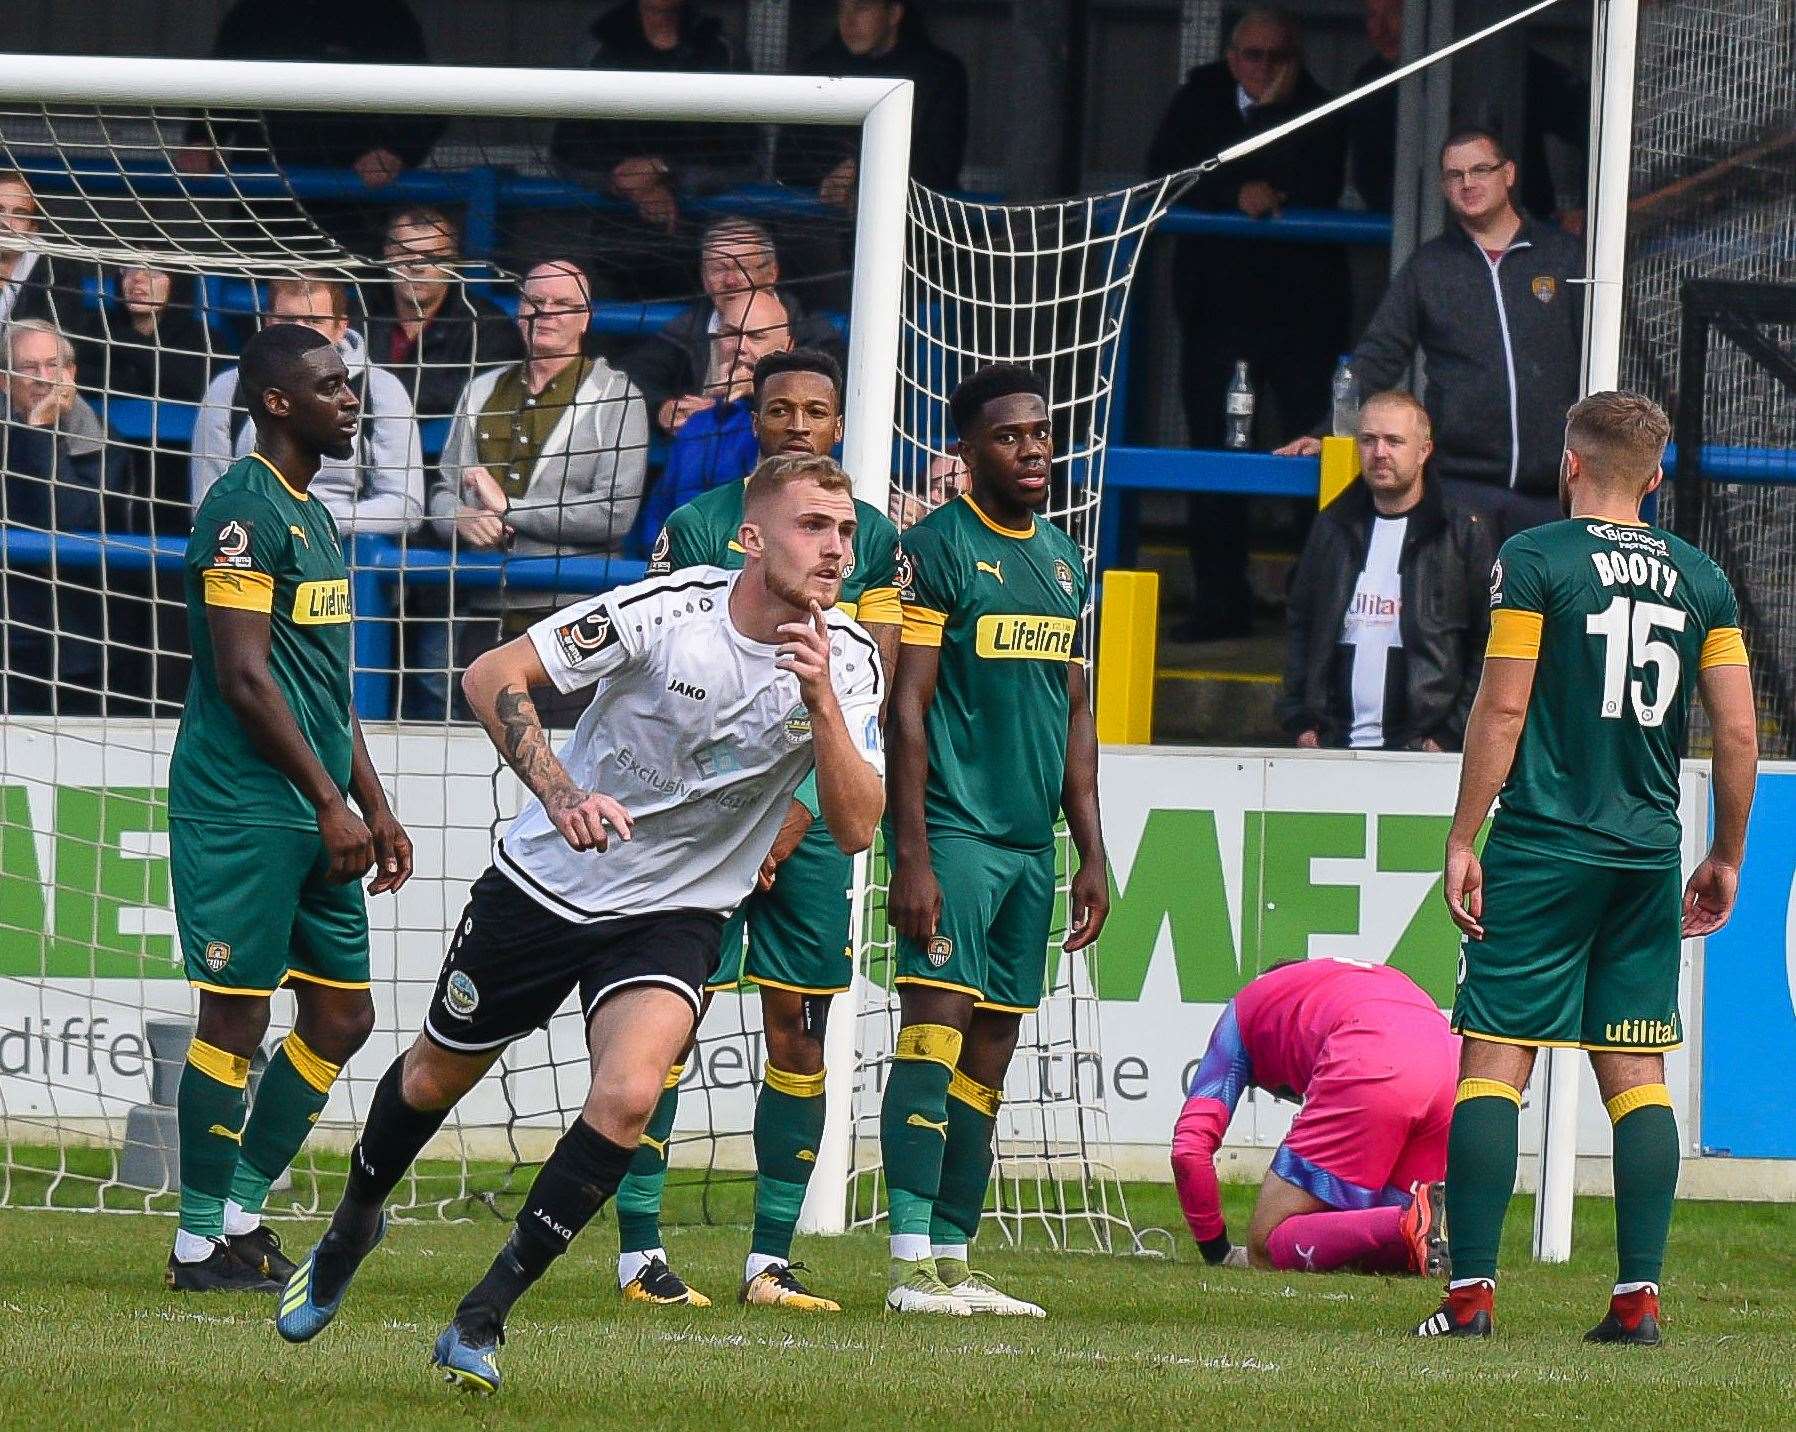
[{"x": 1356, "y": 1184}]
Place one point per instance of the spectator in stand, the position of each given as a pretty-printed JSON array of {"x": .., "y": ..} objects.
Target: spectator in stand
[
  {"x": 28, "y": 286},
  {"x": 546, "y": 457},
  {"x": 883, "y": 39},
  {"x": 146, "y": 341},
  {"x": 1387, "y": 612},
  {"x": 947, "y": 479},
  {"x": 717, "y": 444},
  {"x": 434, "y": 332},
  {"x": 676, "y": 368},
  {"x": 647, "y": 162},
  {"x": 1495, "y": 307},
  {"x": 53, "y": 478},
  {"x": 379, "y": 488},
  {"x": 1281, "y": 306},
  {"x": 379, "y": 148},
  {"x": 1557, "y": 104}
]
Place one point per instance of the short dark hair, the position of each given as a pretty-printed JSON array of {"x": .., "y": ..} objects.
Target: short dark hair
[
  {"x": 1470, "y": 134},
  {"x": 797, "y": 360},
  {"x": 994, "y": 381},
  {"x": 269, "y": 358}
]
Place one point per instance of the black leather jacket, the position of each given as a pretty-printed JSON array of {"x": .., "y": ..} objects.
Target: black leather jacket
[{"x": 1445, "y": 574}]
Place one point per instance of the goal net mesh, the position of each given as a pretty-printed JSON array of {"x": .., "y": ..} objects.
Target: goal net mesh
[{"x": 146, "y": 246}]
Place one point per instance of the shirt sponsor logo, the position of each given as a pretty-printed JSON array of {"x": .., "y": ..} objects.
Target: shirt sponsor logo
[
  {"x": 217, "y": 956},
  {"x": 1373, "y": 607},
  {"x": 323, "y": 603},
  {"x": 1628, "y": 537},
  {"x": 1496, "y": 582},
  {"x": 1063, "y": 574},
  {"x": 904, "y": 575},
  {"x": 686, "y": 688},
  {"x": 585, "y": 637},
  {"x": 996, "y": 569},
  {"x": 1025, "y": 638},
  {"x": 461, "y": 996},
  {"x": 1544, "y": 287},
  {"x": 717, "y": 759},
  {"x": 870, "y": 733},
  {"x": 938, "y": 951},
  {"x": 1648, "y": 1032},
  {"x": 232, "y": 548}
]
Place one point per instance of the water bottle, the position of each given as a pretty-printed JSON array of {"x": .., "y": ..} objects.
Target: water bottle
[
  {"x": 1237, "y": 410},
  {"x": 1346, "y": 399}
]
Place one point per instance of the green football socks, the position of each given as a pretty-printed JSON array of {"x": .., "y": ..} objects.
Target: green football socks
[
  {"x": 913, "y": 1123},
  {"x": 966, "y": 1160},
  {"x": 638, "y": 1199},
  {"x": 1646, "y": 1180},
  {"x": 788, "y": 1128},
  {"x": 210, "y": 1117},
  {"x": 1481, "y": 1151},
  {"x": 291, "y": 1095}
]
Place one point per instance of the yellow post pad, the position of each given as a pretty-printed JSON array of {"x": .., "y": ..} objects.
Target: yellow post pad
[{"x": 1127, "y": 660}]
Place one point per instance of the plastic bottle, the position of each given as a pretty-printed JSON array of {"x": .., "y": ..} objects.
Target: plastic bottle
[
  {"x": 1237, "y": 410},
  {"x": 1346, "y": 399}
]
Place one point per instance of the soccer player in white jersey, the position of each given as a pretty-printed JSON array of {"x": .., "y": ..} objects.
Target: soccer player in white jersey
[{"x": 717, "y": 693}]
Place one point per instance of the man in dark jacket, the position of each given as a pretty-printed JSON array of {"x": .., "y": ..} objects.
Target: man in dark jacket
[
  {"x": 1388, "y": 616},
  {"x": 1282, "y": 307},
  {"x": 29, "y": 287},
  {"x": 883, "y": 39},
  {"x": 1495, "y": 307},
  {"x": 428, "y": 329},
  {"x": 673, "y": 367}
]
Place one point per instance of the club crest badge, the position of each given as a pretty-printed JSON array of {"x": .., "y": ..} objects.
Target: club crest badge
[
  {"x": 585, "y": 637},
  {"x": 218, "y": 955},
  {"x": 1544, "y": 287},
  {"x": 1063, "y": 574},
  {"x": 939, "y": 951},
  {"x": 460, "y": 995}
]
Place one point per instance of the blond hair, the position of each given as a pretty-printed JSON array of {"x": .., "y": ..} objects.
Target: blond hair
[
  {"x": 1619, "y": 438},
  {"x": 1402, "y": 398},
  {"x": 776, "y": 473}
]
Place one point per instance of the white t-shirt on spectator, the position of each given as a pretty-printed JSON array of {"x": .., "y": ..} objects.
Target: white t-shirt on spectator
[{"x": 1373, "y": 628}]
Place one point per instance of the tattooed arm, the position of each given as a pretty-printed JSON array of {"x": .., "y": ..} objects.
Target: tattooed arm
[{"x": 498, "y": 689}]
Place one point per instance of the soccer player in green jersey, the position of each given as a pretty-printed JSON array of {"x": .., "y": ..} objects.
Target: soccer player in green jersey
[
  {"x": 797, "y": 953},
  {"x": 264, "y": 852},
  {"x": 1601, "y": 629},
  {"x": 990, "y": 738}
]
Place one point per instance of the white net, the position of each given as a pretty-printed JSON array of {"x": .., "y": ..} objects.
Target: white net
[{"x": 155, "y": 243}]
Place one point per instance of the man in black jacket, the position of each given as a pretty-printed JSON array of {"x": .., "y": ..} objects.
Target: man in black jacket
[
  {"x": 1496, "y": 308},
  {"x": 1388, "y": 616},
  {"x": 1283, "y": 307},
  {"x": 673, "y": 366}
]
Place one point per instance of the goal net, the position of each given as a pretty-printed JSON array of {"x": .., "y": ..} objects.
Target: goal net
[{"x": 149, "y": 234}]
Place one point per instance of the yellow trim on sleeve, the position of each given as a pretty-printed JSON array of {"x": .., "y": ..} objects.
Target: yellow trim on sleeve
[
  {"x": 1724, "y": 646},
  {"x": 879, "y": 606},
  {"x": 215, "y": 1063},
  {"x": 922, "y": 627},
  {"x": 981, "y": 1097},
  {"x": 936, "y": 1043},
  {"x": 317, "y": 1071},
  {"x": 281, "y": 478},
  {"x": 672, "y": 1081},
  {"x": 1515, "y": 633},
  {"x": 1487, "y": 1089},
  {"x": 241, "y": 591},
  {"x": 1641, "y": 1096},
  {"x": 796, "y": 1086}
]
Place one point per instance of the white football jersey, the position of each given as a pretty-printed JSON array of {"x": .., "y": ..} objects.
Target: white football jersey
[{"x": 694, "y": 731}]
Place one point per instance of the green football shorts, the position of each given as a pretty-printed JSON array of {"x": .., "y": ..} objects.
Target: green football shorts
[
  {"x": 253, "y": 909},
  {"x": 992, "y": 942},
  {"x": 1573, "y": 955},
  {"x": 798, "y": 930}
]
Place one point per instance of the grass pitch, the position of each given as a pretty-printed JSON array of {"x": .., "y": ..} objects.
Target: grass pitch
[{"x": 88, "y": 1338}]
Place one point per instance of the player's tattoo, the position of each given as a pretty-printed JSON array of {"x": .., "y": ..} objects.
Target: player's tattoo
[{"x": 525, "y": 746}]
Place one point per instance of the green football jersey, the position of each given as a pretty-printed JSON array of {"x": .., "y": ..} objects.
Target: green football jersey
[
  {"x": 1620, "y": 619},
  {"x": 1003, "y": 607},
  {"x": 702, "y": 533},
  {"x": 258, "y": 545}
]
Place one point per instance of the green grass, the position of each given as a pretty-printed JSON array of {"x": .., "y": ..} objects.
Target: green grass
[{"x": 88, "y": 1338}]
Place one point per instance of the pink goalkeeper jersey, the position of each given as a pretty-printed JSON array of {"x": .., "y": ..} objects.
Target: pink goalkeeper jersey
[{"x": 1272, "y": 1036}]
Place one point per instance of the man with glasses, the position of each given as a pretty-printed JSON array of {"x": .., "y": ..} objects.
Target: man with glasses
[
  {"x": 1495, "y": 306},
  {"x": 1282, "y": 307},
  {"x": 435, "y": 331}
]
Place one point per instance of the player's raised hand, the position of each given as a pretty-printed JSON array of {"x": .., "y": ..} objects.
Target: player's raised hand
[
  {"x": 1463, "y": 886},
  {"x": 392, "y": 853},
  {"x": 1709, "y": 898},
  {"x": 582, "y": 818},
  {"x": 346, "y": 841},
  {"x": 1089, "y": 900},
  {"x": 805, "y": 653},
  {"x": 914, "y": 903}
]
